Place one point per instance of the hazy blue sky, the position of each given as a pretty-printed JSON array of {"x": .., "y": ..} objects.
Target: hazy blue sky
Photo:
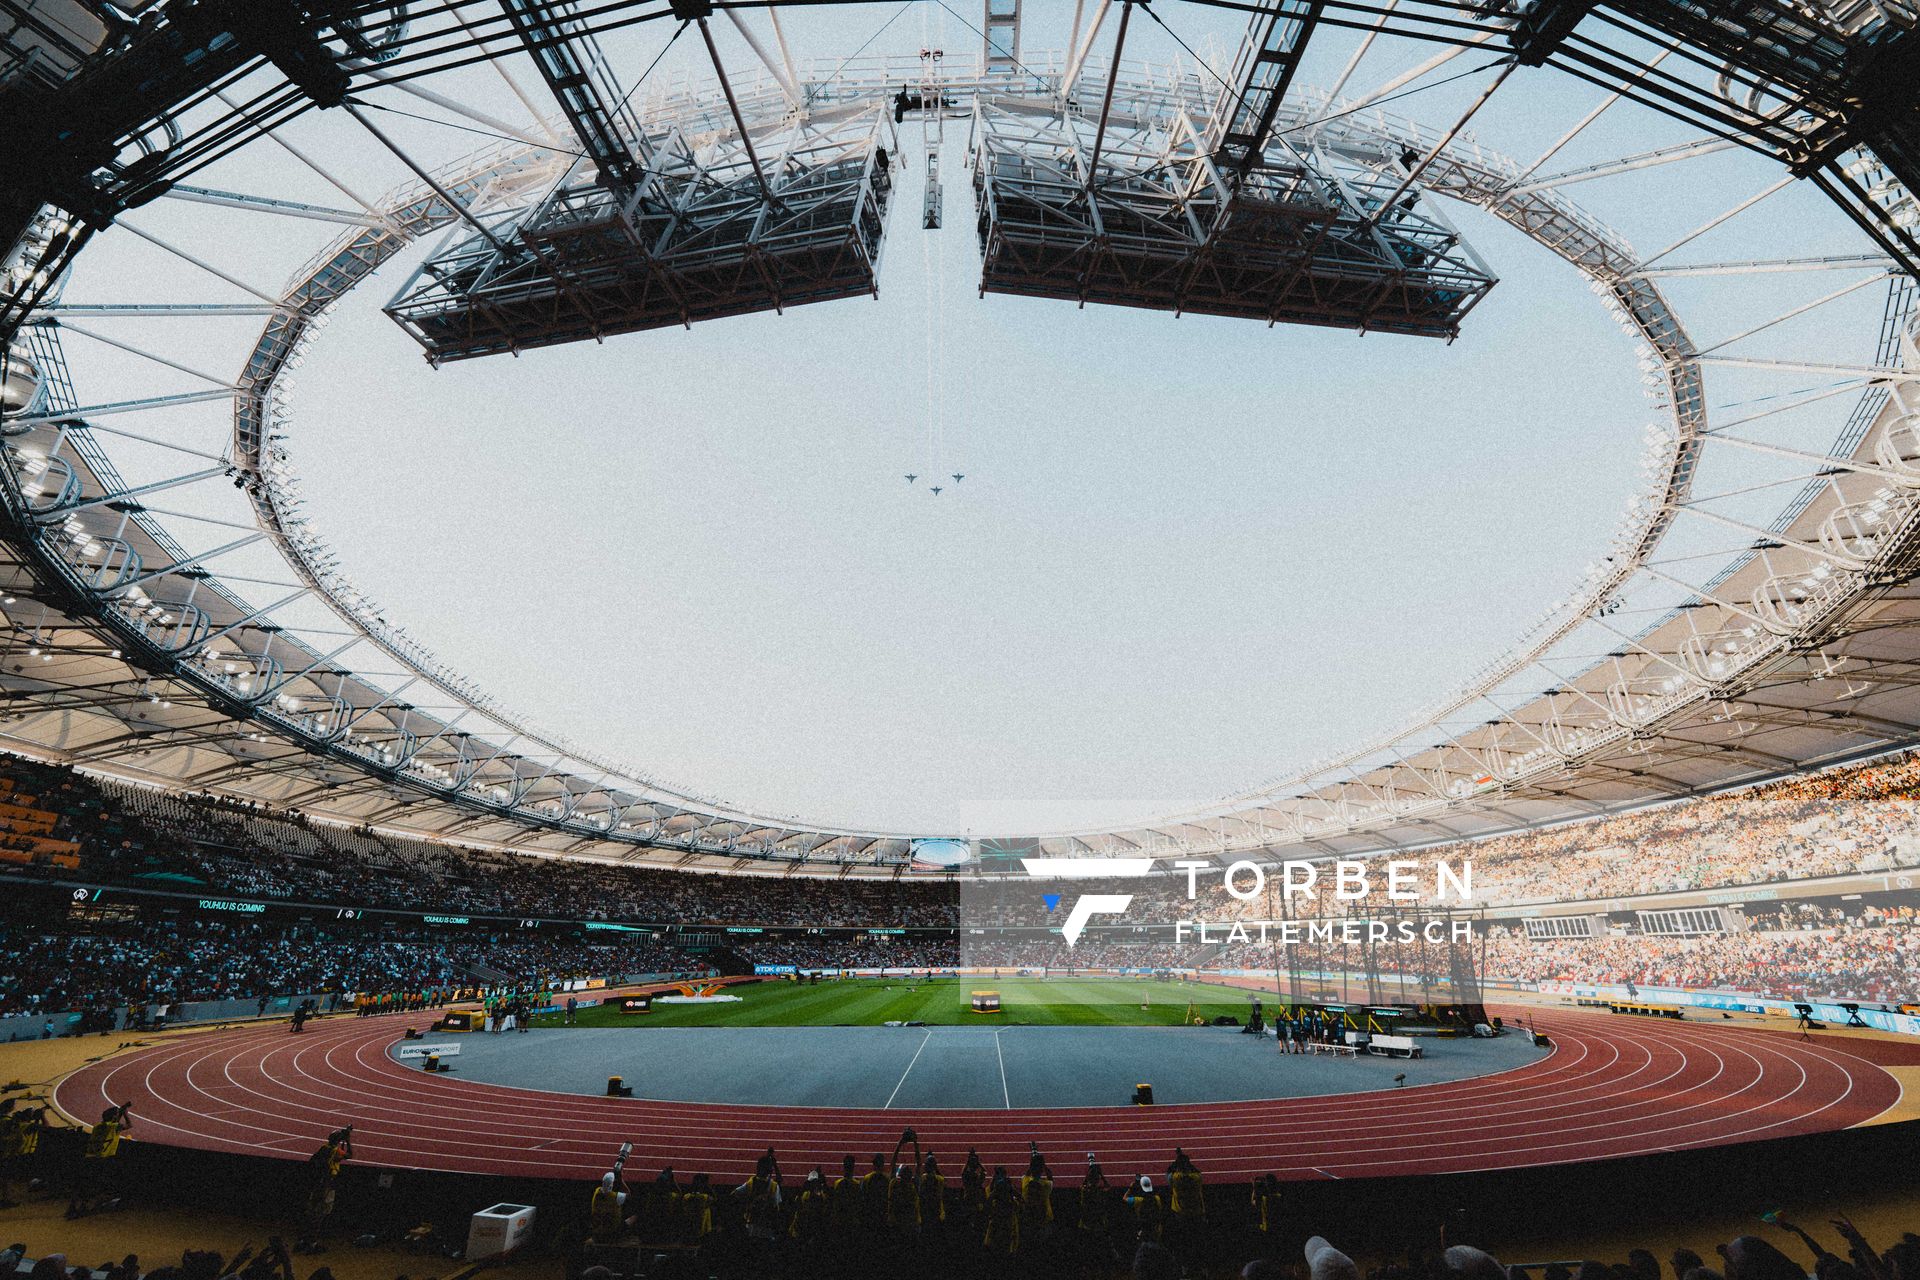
[{"x": 1187, "y": 552}]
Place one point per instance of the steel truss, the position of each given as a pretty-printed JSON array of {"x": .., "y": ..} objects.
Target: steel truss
[
  {"x": 1303, "y": 238},
  {"x": 138, "y": 644},
  {"x": 700, "y": 238},
  {"x": 1824, "y": 86}
]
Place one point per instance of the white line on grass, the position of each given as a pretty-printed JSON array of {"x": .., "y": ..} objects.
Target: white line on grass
[{"x": 910, "y": 1061}]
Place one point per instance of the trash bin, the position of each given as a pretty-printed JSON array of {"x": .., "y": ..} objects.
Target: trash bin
[{"x": 499, "y": 1229}]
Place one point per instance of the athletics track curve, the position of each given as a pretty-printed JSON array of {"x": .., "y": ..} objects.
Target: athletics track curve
[{"x": 1611, "y": 1086}]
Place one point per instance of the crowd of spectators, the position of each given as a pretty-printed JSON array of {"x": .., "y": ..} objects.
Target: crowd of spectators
[
  {"x": 909, "y": 1214},
  {"x": 1860, "y": 819},
  {"x": 917, "y": 1211},
  {"x": 870, "y": 1217},
  {"x": 842, "y": 953},
  {"x": 1092, "y": 952},
  {"x": 1869, "y": 957},
  {"x": 140, "y": 836},
  {"x": 47, "y": 967},
  {"x": 973, "y": 952}
]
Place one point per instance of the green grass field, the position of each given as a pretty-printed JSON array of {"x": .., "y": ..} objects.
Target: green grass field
[{"x": 866, "y": 1002}]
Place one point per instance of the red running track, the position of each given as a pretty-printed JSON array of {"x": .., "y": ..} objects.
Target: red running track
[{"x": 1612, "y": 1086}]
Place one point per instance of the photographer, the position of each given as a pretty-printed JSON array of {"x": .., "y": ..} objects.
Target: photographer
[
  {"x": 607, "y": 1217},
  {"x": 323, "y": 1174},
  {"x": 933, "y": 1194},
  {"x": 19, "y": 1147},
  {"x": 94, "y": 1187},
  {"x": 903, "y": 1193},
  {"x": 1145, "y": 1205},
  {"x": 1036, "y": 1199},
  {"x": 762, "y": 1195},
  {"x": 1096, "y": 1201},
  {"x": 1189, "y": 1217}
]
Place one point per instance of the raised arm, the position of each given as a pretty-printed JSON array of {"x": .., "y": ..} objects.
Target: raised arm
[
  {"x": 1818, "y": 1250},
  {"x": 1863, "y": 1255}
]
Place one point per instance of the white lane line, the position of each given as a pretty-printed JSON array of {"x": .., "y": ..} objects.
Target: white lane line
[
  {"x": 1005, "y": 1096},
  {"x": 910, "y": 1061}
]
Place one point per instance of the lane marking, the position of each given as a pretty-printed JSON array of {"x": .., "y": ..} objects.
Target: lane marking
[
  {"x": 903, "y": 1075},
  {"x": 1005, "y": 1096}
]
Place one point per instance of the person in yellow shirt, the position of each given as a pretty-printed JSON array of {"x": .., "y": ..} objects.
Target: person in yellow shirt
[
  {"x": 10, "y": 1143},
  {"x": 93, "y": 1189},
  {"x": 1096, "y": 1200},
  {"x": 1266, "y": 1204},
  {"x": 933, "y": 1192},
  {"x": 659, "y": 1222},
  {"x": 843, "y": 1201},
  {"x": 973, "y": 1188},
  {"x": 765, "y": 1212},
  {"x": 875, "y": 1187},
  {"x": 1002, "y": 1214},
  {"x": 324, "y": 1172},
  {"x": 1036, "y": 1200},
  {"x": 28, "y": 1125},
  {"x": 903, "y": 1201},
  {"x": 696, "y": 1210},
  {"x": 812, "y": 1212},
  {"x": 607, "y": 1218},
  {"x": 1189, "y": 1191},
  {"x": 1189, "y": 1217}
]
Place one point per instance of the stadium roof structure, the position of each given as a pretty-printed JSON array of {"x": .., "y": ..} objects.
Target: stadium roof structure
[{"x": 173, "y": 616}]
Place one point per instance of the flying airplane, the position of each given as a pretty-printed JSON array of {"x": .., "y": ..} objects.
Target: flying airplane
[
  {"x": 911, "y": 477},
  {"x": 936, "y": 490}
]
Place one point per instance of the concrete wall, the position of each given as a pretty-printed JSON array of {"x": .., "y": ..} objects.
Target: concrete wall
[{"x": 32, "y": 1026}]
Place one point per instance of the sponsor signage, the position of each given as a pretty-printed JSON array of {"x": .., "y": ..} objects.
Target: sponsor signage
[
  {"x": 413, "y": 1050},
  {"x": 763, "y": 970},
  {"x": 448, "y": 919},
  {"x": 228, "y": 904},
  {"x": 1824, "y": 1010}
]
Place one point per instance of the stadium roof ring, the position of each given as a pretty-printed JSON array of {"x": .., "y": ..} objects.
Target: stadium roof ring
[{"x": 1712, "y": 642}]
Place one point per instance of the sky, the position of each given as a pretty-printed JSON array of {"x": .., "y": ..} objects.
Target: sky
[{"x": 1188, "y": 553}]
